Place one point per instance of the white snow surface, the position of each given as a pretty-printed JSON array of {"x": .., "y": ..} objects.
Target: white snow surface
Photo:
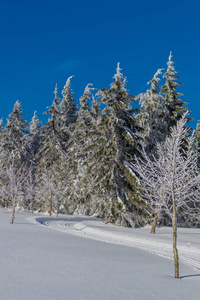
[{"x": 84, "y": 258}]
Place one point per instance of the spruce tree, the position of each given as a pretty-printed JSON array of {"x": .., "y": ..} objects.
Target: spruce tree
[
  {"x": 75, "y": 154},
  {"x": 151, "y": 115},
  {"x": 49, "y": 157},
  {"x": 119, "y": 143},
  {"x": 1, "y": 132},
  {"x": 197, "y": 141},
  {"x": 15, "y": 132},
  {"x": 68, "y": 111},
  {"x": 50, "y": 149},
  {"x": 35, "y": 136},
  {"x": 175, "y": 107},
  {"x": 67, "y": 105}
]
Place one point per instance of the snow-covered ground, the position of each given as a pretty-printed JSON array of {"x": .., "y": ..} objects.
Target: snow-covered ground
[{"x": 83, "y": 258}]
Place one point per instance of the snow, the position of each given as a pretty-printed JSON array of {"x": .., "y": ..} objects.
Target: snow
[{"x": 83, "y": 258}]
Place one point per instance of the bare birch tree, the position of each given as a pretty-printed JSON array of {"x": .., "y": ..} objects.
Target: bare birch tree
[
  {"x": 12, "y": 188},
  {"x": 170, "y": 180},
  {"x": 29, "y": 189},
  {"x": 50, "y": 191}
]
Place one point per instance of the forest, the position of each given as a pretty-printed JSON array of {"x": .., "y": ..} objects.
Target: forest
[{"x": 127, "y": 159}]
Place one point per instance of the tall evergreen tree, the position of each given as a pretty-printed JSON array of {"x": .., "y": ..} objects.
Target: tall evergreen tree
[
  {"x": 1, "y": 132},
  {"x": 68, "y": 106},
  {"x": 120, "y": 202},
  {"x": 35, "y": 136},
  {"x": 197, "y": 141},
  {"x": 76, "y": 155},
  {"x": 175, "y": 107},
  {"x": 15, "y": 136},
  {"x": 151, "y": 115},
  {"x": 50, "y": 149}
]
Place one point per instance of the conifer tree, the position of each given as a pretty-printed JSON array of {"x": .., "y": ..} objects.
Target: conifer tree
[
  {"x": 1, "y": 134},
  {"x": 35, "y": 136},
  {"x": 151, "y": 115},
  {"x": 76, "y": 155},
  {"x": 175, "y": 108},
  {"x": 68, "y": 111},
  {"x": 197, "y": 141},
  {"x": 50, "y": 149},
  {"x": 15, "y": 137},
  {"x": 120, "y": 142},
  {"x": 67, "y": 105},
  {"x": 49, "y": 158}
]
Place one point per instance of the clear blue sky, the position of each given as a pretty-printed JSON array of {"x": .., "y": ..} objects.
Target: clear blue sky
[{"x": 44, "y": 42}]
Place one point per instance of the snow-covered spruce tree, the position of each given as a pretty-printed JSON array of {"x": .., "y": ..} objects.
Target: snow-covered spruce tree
[
  {"x": 75, "y": 154},
  {"x": 120, "y": 202},
  {"x": 14, "y": 138},
  {"x": 1, "y": 131},
  {"x": 68, "y": 109},
  {"x": 171, "y": 181},
  {"x": 49, "y": 155},
  {"x": 151, "y": 115},
  {"x": 2, "y": 175},
  {"x": 90, "y": 160},
  {"x": 174, "y": 107},
  {"x": 197, "y": 141},
  {"x": 34, "y": 136},
  {"x": 50, "y": 148}
]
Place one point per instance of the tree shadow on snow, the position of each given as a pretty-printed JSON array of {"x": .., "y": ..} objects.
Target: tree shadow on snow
[{"x": 187, "y": 276}]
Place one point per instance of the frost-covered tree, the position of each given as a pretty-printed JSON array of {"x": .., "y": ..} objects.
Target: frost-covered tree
[
  {"x": 68, "y": 106},
  {"x": 151, "y": 115},
  {"x": 68, "y": 110},
  {"x": 29, "y": 188},
  {"x": 2, "y": 174},
  {"x": 35, "y": 136},
  {"x": 50, "y": 189},
  {"x": 50, "y": 149},
  {"x": 45, "y": 190},
  {"x": 14, "y": 136},
  {"x": 12, "y": 190},
  {"x": 119, "y": 143},
  {"x": 75, "y": 156},
  {"x": 1, "y": 131},
  {"x": 197, "y": 141},
  {"x": 171, "y": 181},
  {"x": 89, "y": 158},
  {"x": 175, "y": 107}
]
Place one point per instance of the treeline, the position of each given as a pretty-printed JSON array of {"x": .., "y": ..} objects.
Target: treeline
[{"x": 80, "y": 160}]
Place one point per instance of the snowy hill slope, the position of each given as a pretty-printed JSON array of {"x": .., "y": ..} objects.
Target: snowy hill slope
[
  {"x": 38, "y": 263},
  {"x": 160, "y": 244}
]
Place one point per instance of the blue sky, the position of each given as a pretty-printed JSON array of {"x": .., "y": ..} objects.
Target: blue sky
[{"x": 44, "y": 42}]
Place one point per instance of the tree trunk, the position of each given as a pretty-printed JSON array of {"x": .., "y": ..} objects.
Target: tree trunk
[
  {"x": 175, "y": 250},
  {"x": 50, "y": 209},
  {"x": 13, "y": 214},
  {"x": 57, "y": 211},
  {"x": 32, "y": 206},
  {"x": 153, "y": 228}
]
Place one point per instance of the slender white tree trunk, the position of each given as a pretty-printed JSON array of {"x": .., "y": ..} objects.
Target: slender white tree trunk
[
  {"x": 50, "y": 209},
  {"x": 153, "y": 228},
  {"x": 175, "y": 250},
  {"x": 13, "y": 212}
]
